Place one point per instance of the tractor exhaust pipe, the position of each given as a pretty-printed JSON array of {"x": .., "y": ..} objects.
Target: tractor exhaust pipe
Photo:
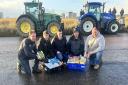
[{"x": 34, "y": 1}]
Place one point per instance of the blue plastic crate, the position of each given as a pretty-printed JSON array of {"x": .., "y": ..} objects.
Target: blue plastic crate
[{"x": 75, "y": 66}]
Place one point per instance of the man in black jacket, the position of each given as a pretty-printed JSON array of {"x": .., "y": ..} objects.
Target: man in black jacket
[
  {"x": 59, "y": 44},
  {"x": 76, "y": 44},
  {"x": 46, "y": 46},
  {"x": 28, "y": 51}
]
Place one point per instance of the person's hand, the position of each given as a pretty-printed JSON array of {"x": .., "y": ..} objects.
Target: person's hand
[
  {"x": 86, "y": 55},
  {"x": 90, "y": 53}
]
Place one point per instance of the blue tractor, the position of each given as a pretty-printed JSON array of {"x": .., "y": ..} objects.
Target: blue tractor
[{"x": 95, "y": 16}]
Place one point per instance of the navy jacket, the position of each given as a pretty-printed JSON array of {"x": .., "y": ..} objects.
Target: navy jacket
[
  {"x": 60, "y": 45},
  {"x": 76, "y": 46},
  {"x": 27, "y": 49},
  {"x": 46, "y": 47}
]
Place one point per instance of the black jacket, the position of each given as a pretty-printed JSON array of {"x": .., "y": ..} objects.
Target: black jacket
[
  {"x": 46, "y": 47},
  {"x": 60, "y": 45},
  {"x": 76, "y": 46},
  {"x": 27, "y": 49}
]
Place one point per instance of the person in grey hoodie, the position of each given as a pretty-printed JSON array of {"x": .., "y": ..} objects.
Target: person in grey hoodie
[{"x": 94, "y": 47}]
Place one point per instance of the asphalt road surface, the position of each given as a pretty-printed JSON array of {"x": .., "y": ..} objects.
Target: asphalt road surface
[{"x": 114, "y": 70}]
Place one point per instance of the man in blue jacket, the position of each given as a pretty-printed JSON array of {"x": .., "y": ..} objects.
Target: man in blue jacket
[{"x": 28, "y": 51}]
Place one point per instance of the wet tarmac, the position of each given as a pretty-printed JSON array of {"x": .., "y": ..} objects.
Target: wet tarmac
[{"x": 114, "y": 70}]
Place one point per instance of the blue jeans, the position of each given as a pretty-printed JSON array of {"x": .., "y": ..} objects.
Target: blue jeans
[
  {"x": 62, "y": 57},
  {"x": 26, "y": 67},
  {"x": 96, "y": 58}
]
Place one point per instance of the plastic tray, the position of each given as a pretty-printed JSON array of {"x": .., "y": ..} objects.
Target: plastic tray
[{"x": 76, "y": 66}]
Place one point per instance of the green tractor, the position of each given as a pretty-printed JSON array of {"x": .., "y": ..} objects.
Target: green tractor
[{"x": 36, "y": 19}]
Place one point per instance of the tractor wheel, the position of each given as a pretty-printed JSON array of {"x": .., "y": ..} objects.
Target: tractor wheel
[
  {"x": 53, "y": 28},
  {"x": 113, "y": 27},
  {"x": 24, "y": 26},
  {"x": 87, "y": 24}
]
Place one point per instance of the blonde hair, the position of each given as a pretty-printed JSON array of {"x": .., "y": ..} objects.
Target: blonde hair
[{"x": 31, "y": 32}]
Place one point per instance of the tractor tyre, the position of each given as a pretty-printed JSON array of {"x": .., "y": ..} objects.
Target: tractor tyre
[
  {"x": 24, "y": 26},
  {"x": 87, "y": 24},
  {"x": 113, "y": 27},
  {"x": 53, "y": 28}
]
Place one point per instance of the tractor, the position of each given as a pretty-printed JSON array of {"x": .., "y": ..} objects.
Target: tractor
[
  {"x": 94, "y": 16},
  {"x": 36, "y": 19}
]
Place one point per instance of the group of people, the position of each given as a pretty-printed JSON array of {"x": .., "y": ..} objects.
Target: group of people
[{"x": 60, "y": 48}]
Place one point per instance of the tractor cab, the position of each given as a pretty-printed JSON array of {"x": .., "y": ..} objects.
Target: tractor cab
[
  {"x": 34, "y": 8},
  {"x": 94, "y": 8}
]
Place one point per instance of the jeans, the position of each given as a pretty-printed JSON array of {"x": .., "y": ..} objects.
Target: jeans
[
  {"x": 96, "y": 58},
  {"x": 62, "y": 57},
  {"x": 26, "y": 67}
]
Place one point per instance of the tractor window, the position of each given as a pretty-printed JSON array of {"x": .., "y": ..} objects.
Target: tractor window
[
  {"x": 93, "y": 9},
  {"x": 96, "y": 11},
  {"x": 86, "y": 9},
  {"x": 32, "y": 10}
]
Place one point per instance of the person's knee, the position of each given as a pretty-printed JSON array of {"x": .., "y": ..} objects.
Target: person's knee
[
  {"x": 60, "y": 56},
  {"x": 99, "y": 54},
  {"x": 99, "y": 57}
]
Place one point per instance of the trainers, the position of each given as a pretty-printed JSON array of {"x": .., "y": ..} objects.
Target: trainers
[
  {"x": 18, "y": 67},
  {"x": 96, "y": 67},
  {"x": 92, "y": 66}
]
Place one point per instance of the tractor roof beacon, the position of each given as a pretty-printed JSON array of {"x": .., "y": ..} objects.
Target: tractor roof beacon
[
  {"x": 36, "y": 19},
  {"x": 95, "y": 16}
]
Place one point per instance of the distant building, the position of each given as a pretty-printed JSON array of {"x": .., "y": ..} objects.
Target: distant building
[
  {"x": 63, "y": 15},
  {"x": 1, "y": 14},
  {"x": 72, "y": 15}
]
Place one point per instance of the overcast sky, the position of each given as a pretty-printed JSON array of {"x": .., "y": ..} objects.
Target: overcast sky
[{"x": 13, "y": 8}]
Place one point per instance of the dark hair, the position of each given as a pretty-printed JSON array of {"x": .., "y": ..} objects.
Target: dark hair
[
  {"x": 60, "y": 30},
  {"x": 76, "y": 30},
  {"x": 73, "y": 37},
  {"x": 45, "y": 32}
]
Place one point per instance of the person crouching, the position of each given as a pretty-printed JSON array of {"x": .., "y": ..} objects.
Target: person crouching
[
  {"x": 94, "y": 47},
  {"x": 28, "y": 51},
  {"x": 59, "y": 44}
]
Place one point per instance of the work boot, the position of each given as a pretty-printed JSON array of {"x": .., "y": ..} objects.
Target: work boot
[
  {"x": 18, "y": 67},
  {"x": 91, "y": 66},
  {"x": 96, "y": 66},
  {"x": 36, "y": 71}
]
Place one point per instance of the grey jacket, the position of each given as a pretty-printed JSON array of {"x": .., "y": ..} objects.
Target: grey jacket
[{"x": 99, "y": 44}]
